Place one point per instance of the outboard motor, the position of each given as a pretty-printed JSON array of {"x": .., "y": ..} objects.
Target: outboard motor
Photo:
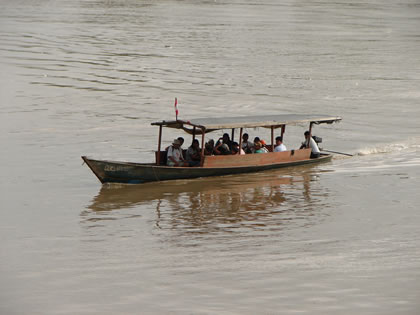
[{"x": 317, "y": 139}]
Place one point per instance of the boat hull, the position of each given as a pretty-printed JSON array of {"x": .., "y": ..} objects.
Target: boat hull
[{"x": 137, "y": 173}]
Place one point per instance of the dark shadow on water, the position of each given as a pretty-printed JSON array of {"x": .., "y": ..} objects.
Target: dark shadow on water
[{"x": 252, "y": 200}]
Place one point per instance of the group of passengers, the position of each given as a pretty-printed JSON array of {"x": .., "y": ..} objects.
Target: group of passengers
[
  {"x": 259, "y": 145},
  {"x": 175, "y": 155},
  {"x": 225, "y": 146}
]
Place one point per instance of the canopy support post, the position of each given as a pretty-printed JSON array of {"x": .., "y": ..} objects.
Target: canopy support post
[
  {"x": 310, "y": 134},
  {"x": 272, "y": 138},
  {"x": 203, "y": 133},
  {"x": 233, "y": 134},
  {"x": 194, "y": 133},
  {"x": 240, "y": 140},
  {"x": 159, "y": 142}
]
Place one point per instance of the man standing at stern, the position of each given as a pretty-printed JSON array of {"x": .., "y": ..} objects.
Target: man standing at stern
[{"x": 315, "y": 153}]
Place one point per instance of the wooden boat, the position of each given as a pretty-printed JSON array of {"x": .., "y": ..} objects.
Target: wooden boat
[{"x": 214, "y": 165}]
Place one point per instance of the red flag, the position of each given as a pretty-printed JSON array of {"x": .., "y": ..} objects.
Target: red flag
[{"x": 176, "y": 108}]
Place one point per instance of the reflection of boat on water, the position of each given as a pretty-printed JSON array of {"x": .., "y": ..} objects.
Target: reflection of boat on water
[
  {"x": 216, "y": 202},
  {"x": 266, "y": 184},
  {"x": 214, "y": 165},
  {"x": 113, "y": 197}
]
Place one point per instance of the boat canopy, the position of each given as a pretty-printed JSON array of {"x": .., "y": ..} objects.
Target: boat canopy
[{"x": 268, "y": 121}]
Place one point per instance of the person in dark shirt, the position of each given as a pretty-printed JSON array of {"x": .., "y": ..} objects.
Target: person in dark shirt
[
  {"x": 223, "y": 145},
  {"x": 209, "y": 147},
  {"x": 193, "y": 155}
]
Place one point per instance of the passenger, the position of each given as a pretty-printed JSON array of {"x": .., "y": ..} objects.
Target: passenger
[
  {"x": 222, "y": 148},
  {"x": 280, "y": 147},
  {"x": 209, "y": 147},
  {"x": 258, "y": 147},
  {"x": 246, "y": 144},
  {"x": 256, "y": 140},
  {"x": 181, "y": 141},
  {"x": 235, "y": 149},
  {"x": 264, "y": 146},
  {"x": 174, "y": 156},
  {"x": 315, "y": 153},
  {"x": 225, "y": 140},
  {"x": 194, "y": 154}
]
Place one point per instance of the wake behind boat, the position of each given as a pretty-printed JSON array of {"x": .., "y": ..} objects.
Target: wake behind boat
[{"x": 214, "y": 165}]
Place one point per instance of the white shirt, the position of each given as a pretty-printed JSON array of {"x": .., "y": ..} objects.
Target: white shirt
[
  {"x": 280, "y": 148},
  {"x": 176, "y": 154},
  {"x": 314, "y": 146},
  {"x": 247, "y": 145}
]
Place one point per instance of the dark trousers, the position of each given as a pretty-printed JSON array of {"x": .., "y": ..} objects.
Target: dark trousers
[{"x": 314, "y": 155}]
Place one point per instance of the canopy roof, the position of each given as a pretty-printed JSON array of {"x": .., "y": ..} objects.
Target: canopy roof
[{"x": 211, "y": 124}]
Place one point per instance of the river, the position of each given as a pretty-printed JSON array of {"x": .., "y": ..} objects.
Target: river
[{"x": 88, "y": 77}]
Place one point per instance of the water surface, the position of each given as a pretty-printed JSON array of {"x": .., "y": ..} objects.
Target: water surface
[{"x": 88, "y": 78}]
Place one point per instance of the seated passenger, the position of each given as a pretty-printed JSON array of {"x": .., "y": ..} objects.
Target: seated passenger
[
  {"x": 221, "y": 148},
  {"x": 315, "y": 152},
  {"x": 264, "y": 146},
  {"x": 225, "y": 140},
  {"x": 181, "y": 141},
  {"x": 209, "y": 147},
  {"x": 194, "y": 154},
  {"x": 280, "y": 147},
  {"x": 256, "y": 140},
  {"x": 258, "y": 147},
  {"x": 246, "y": 144},
  {"x": 174, "y": 156},
  {"x": 235, "y": 149}
]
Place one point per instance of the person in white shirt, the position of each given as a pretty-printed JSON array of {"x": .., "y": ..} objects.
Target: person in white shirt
[
  {"x": 174, "y": 156},
  {"x": 247, "y": 146},
  {"x": 315, "y": 152},
  {"x": 280, "y": 147},
  {"x": 181, "y": 142}
]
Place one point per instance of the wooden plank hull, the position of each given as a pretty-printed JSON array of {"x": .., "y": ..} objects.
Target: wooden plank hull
[
  {"x": 260, "y": 159},
  {"x": 137, "y": 173}
]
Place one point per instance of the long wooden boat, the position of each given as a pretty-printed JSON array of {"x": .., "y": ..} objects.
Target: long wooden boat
[{"x": 214, "y": 165}]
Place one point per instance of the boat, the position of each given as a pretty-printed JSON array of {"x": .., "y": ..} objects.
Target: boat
[{"x": 214, "y": 165}]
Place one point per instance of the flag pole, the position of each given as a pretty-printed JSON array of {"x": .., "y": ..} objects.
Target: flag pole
[{"x": 176, "y": 108}]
